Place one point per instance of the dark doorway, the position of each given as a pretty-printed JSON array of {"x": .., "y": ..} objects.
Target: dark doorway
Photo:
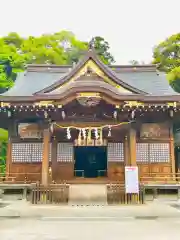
[
  {"x": 177, "y": 158},
  {"x": 90, "y": 162}
]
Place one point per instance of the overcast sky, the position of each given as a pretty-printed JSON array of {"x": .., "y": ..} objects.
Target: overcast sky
[{"x": 132, "y": 27}]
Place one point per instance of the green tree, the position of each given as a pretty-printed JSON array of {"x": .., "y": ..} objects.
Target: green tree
[
  {"x": 167, "y": 57},
  {"x": 61, "y": 48},
  {"x": 167, "y": 53},
  {"x": 12, "y": 61},
  {"x": 102, "y": 48},
  {"x": 174, "y": 78}
]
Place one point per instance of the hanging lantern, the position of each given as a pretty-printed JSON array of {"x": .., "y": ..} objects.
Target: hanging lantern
[
  {"x": 115, "y": 114},
  {"x": 171, "y": 113},
  {"x": 89, "y": 134},
  {"x": 63, "y": 115},
  {"x": 79, "y": 137},
  {"x": 109, "y": 131},
  {"x": 96, "y": 133},
  {"x": 45, "y": 114},
  {"x": 52, "y": 127},
  {"x": 84, "y": 133},
  {"x": 133, "y": 114},
  {"x": 68, "y": 133}
]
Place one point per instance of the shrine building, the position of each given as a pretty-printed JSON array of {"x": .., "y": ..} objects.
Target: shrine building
[{"x": 89, "y": 121}]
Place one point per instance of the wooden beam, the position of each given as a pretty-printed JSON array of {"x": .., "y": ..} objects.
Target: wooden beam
[
  {"x": 126, "y": 152},
  {"x": 45, "y": 159},
  {"x": 132, "y": 146},
  {"x": 54, "y": 158},
  {"x": 8, "y": 157},
  {"x": 172, "y": 155}
]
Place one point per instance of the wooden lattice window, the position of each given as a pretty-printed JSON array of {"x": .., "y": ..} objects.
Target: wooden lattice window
[
  {"x": 65, "y": 152},
  {"x": 37, "y": 152},
  {"x": 115, "y": 152},
  {"x": 28, "y": 152},
  {"x": 21, "y": 152},
  {"x": 142, "y": 152},
  {"x": 159, "y": 152}
]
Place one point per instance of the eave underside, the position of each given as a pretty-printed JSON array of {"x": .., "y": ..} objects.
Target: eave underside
[{"x": 103, "y": 92}]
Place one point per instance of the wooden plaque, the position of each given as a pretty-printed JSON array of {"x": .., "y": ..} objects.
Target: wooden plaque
[
  {"x": 154, "y": 131},
  {"x": 29, "y": 130}
]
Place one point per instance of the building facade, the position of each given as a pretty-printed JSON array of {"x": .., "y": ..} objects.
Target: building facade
[{"x": 89, "y": 121}]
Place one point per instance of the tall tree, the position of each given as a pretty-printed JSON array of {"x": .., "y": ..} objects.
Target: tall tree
[
  {"x": 61, "y": 48},
  {"x": 174, "y": 78},
  {"x": 167, "y": 53},
  {"x": 167, "y": 57},
  {"x": 11, "y": 62},
  {"x": 102, "y": 48}
]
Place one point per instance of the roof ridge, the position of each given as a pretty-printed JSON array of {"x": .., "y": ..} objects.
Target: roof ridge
[{"x": 91, "y": 55}]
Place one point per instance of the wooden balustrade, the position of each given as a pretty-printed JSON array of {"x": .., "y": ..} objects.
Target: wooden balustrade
[
  {"x": 55, "y": 193},
  {"x": 116, "y": 195},
  {"x": 163, "y": 178}
]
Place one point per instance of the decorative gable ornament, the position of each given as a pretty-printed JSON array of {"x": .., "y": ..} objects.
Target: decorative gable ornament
[{"x": 89, "y": 99}]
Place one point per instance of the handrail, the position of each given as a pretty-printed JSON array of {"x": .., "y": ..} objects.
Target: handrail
[
  {"x": 80, "y": 171},
  {"x": 101, "y": 171}
]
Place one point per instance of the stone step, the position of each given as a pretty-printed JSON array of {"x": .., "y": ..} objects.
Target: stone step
[{"x": 87, "y": 194}]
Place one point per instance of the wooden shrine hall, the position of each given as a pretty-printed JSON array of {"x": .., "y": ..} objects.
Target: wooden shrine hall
[{"x": 89, "y": 121}]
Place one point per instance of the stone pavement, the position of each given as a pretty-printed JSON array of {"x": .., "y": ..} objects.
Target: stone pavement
[
  {"x": 101, "y": 228},
  {"x": 156, "y": 220},
  {"x": 154, "y": 209}
]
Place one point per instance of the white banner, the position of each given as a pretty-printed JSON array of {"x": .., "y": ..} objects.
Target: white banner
[{"x": 131, "y": 179}]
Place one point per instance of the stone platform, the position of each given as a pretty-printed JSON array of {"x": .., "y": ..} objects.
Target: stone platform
[{"x": 88, "y": 194}]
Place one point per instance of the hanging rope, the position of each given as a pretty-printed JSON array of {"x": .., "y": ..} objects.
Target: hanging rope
[{"x": 93, "y": 127}]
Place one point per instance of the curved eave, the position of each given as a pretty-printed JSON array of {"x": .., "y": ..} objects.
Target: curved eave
[
  {"x": 90, "y": 56},
  {"x": 73, "y": 91}
]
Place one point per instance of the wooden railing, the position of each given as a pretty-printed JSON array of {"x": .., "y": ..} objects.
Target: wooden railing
[
  {"x": 52, "y": 194},
  {"x": 163, "y": 178},
  {"x": 20, "y": 178},
  {"x": 116, "y": 195}
]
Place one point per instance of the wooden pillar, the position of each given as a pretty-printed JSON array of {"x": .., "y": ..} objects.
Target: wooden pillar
[
  {"x": 132, "y": 147},
  {"x": 126, "y": 152},
  {"x": 45, "y": 158},
  {"x": 8, "y": 157},
  {"x": 54, "y": 158},
  {"x": 9, "y": 146},
  {"x": 172, "y": 155}
]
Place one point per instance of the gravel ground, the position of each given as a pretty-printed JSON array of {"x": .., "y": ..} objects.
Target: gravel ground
[{"x": 96, "y": 229}]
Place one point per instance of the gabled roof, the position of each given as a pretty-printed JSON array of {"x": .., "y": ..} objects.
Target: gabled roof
[
  {"x": 90, "y": 55},
  {"x": 45, "y": 79}
]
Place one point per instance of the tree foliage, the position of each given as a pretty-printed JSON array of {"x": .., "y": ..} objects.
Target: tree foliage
[
  {"x": 167, "y": 57},
  {"x": 174, "y": 78},
  {"x": 102, "y": 48},
  {"x": 61, "y": 48},
  {"x": 167, "y": 53}
]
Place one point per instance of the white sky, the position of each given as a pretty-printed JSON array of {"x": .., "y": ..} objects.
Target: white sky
[{"x": 132, "y": 27}]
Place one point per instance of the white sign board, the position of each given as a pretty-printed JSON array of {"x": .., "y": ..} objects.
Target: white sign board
[{"x": 131, "y": 179}]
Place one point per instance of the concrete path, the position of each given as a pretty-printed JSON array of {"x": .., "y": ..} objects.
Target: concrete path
[
  {"x": 156, "y": 220},
  {"x": 156, "y": 209},
  {"x": 96, "y": 226},
  {"x": 87, "y": 194}
]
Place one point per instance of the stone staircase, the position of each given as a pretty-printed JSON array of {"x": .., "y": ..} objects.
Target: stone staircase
[{"x": 87, "y": 194}]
